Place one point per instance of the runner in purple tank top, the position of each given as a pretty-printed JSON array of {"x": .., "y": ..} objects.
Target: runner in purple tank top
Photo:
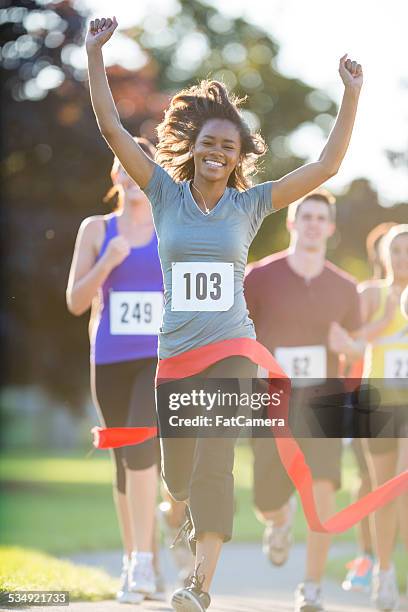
[{"x": 116, "y": 271}]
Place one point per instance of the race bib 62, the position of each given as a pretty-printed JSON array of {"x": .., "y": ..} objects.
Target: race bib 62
[{"x": 303, "y": 362}]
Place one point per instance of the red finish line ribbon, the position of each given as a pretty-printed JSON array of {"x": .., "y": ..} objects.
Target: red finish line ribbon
[
  {"x": 195, "y": 361},
  {"x": 114, "y": 437}
]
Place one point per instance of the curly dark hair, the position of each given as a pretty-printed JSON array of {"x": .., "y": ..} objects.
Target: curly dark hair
[{"x": 188, "y": 111}]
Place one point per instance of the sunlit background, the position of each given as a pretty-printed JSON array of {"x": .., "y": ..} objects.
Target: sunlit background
[
  {"x": 282, "y": 54},
  {"x": 312, "y": 36}
]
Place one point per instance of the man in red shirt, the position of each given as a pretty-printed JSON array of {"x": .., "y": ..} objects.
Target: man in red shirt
[{"x": 302, "y": 305}]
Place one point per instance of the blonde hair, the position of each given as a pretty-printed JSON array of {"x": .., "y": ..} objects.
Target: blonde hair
[
  {"x": 390, "y": 236},
  {"x": 404, "y": 302},
  {"x": 114, "y": 195},
  {"x": 385, "y": 246},
  {"x": 373, "y": 246}
]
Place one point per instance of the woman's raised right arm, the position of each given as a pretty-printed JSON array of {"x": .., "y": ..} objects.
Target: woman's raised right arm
[{"x": 138, "y": 165}]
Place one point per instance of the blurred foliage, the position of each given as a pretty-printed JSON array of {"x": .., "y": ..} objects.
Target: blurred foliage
[
  {"x": 56, "y": 166},
  {"x": 199, "y": 42},
  {"x": 358, "y": 211},
  {"x": 56, "y": 169},
  {"x": 399, "y": 158}
]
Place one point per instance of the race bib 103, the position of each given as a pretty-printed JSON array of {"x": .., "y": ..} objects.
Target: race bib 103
[
  {"x": 303, "y": 362},
  {"x": 137, "y": 313},
  {"x": 202, "y": 286}
]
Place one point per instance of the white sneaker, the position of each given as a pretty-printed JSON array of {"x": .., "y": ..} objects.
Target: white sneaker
[
  {"x": 124, "y": 595},
  {"x": 277, "y": 541},
  {"x": 160, "y": 593},
  {"x": 385, "y": 594},
  {"x": 308, "y": 597},
  {"x": 141, "y": 573}
]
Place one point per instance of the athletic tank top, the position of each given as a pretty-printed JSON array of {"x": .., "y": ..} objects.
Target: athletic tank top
[
  {"x": 130, "y": 305},
  {"x": 386, "y": 357}
]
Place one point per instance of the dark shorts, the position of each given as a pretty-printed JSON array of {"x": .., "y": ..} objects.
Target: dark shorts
[
  {"x": 273, "y": 487},
  {"x": 124, "y": 396},
  {"x": 200, "y": 469}
]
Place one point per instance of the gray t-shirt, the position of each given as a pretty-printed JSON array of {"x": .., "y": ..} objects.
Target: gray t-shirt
[{"x": 186, "y": 234}]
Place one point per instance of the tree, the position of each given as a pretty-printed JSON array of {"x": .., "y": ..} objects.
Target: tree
[
  {"x": 56, "y": 170},
  {"x": 358, "y": 212},
  {"x": 56, "y": 165}
]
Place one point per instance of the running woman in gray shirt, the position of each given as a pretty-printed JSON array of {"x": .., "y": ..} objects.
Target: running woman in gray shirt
[{"x": 206, "y": 215}]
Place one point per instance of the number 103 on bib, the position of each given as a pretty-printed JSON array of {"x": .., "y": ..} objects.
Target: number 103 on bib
[{"x": 202, "y": 286}]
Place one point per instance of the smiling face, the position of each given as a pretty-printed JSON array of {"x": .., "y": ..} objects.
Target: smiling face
[
  {"x": 217, "y": 150},
  {"x": 312, "y": 225},
  {"x": 397, "y": 259}
]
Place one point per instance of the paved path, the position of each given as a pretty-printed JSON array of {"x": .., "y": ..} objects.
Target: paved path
[{"x": 245, "y": 582}]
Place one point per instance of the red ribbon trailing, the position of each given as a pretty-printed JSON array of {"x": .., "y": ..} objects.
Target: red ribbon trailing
[
  {"x": 195, "y": 361},
  {"x": 113, "y": 437}
]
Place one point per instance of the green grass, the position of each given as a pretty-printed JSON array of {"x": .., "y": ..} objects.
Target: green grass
[
  {"x": 59, "y": 504},
  {"x": 23, "y": 569},
  {"x": 63, "y": 504}
]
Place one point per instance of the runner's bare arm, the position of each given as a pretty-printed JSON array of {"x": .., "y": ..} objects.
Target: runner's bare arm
[
  {"x": 138, "y": 165},
  {"x": 370, "y": 300},
  {"x": 86, "y": 276},
  {"x": 342, "y": 342},
  {"x": 302, "y": 181}
]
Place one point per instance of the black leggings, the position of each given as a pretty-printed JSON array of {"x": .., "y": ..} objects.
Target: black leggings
[
  {"x": 123, "y": 394},
  {"x": 200, "y": 469}
]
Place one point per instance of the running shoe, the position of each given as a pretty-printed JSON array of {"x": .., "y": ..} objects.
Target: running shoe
[
  {"x": 360, "y": 574},
  {"x": 160, "y": 593},
  {"x": 277, "y": 541},
  {"x": 124, "y": 595},
  {"x": 385, "y": 594},
  {"x": 191, "y": 598},
  {"x": 141, "y": 573},
  {"x": 308, "y": 597},
  {"x": 181, "y": 553}
]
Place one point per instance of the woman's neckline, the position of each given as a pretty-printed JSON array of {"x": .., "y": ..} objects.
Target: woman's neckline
[{"x": 211, "y": 211}]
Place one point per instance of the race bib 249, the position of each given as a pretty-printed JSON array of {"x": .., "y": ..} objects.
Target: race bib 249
[{"x": 136, "y": 313}]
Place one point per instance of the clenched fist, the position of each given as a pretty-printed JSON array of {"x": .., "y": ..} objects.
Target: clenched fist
[
  {"x": 117, "y": 251},
  {"x": 339, "y": 340},
  {"x": 100, "y": 31},
  {"x": 351, "y": 73}
]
